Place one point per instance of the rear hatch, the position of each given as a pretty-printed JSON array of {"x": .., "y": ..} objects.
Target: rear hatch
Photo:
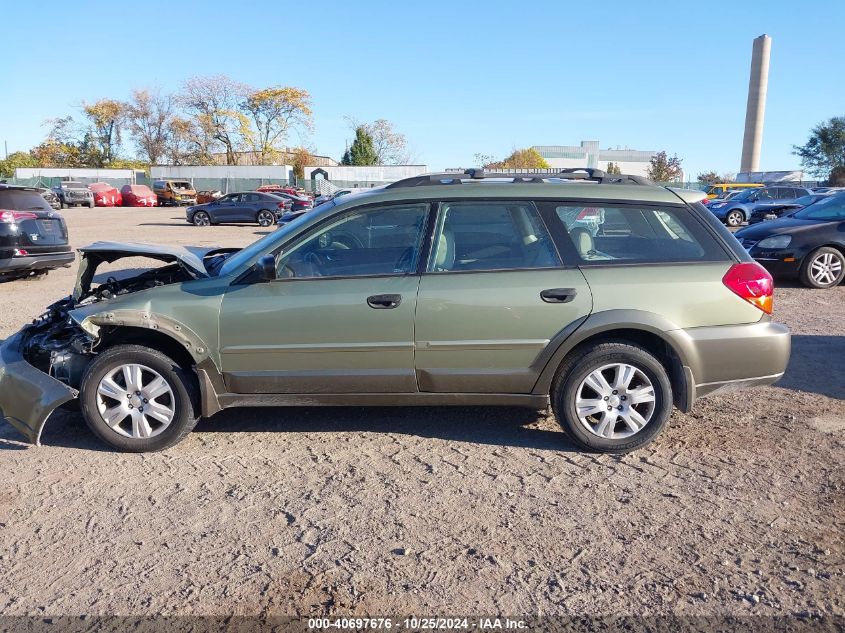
[{"x": 39, "y": 229}]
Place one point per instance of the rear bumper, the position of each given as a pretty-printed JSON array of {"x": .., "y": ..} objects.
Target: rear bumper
[
  {"x": 47, "y": 261},
  {"x": 732, "y": 357},
  {"x": 27, "y": 395}
]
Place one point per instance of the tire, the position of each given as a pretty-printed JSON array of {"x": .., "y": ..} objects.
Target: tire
[
  {"x": 617, "y": 435},
  {"x": 90, "y": 205},
  {"x": 133, "y": 432},
  {"x": 823, "y": 268},
  {"x": 62, "y": 205},
  {"x": 265, "y": 218},
  {"x": 201, "y": 218},
  {"x": 734, "y": 218}
]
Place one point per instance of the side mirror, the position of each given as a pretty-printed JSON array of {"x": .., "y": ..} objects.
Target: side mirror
[{"x": 266, "y": 266}]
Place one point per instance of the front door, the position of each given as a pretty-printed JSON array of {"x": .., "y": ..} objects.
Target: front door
[
  {"x": 340, "y": 317},
  {"x": 494, "y": 301}
]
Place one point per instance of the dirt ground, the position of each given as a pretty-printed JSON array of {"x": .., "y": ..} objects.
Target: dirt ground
[{"x": 736, "y": 509}]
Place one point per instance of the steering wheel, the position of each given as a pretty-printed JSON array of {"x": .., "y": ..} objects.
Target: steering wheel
[{"x": 346, "y": 241}]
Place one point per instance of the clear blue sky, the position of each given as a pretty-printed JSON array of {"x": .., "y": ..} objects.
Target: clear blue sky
[{"x": 458, "y": 78}]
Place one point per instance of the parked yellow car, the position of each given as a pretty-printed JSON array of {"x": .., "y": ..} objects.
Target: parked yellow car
[{"x": 720, "y": 190}]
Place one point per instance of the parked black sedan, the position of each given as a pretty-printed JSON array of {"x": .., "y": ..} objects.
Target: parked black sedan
[
  {"x": 787, "y": 208},
  {"x": 249, "y": 206},
  {"x": 33, "y": 237},
  {"x": 809, "y": 243}
]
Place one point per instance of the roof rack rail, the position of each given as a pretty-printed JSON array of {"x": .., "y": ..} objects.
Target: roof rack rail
[{"x": 477, "y": 174}]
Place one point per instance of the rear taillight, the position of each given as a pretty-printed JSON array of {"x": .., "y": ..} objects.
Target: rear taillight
[
  {"x": 12, "y": 217},
  {"x": 19, "y": 252},
  {"x": 753, "y": 283},
  {"x": 281, "y": 205}
]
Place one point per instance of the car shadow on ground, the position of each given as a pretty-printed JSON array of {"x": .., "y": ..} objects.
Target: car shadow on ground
[
  {"x": 815, "y": 366},
  {"x": 494, "y": 426}
]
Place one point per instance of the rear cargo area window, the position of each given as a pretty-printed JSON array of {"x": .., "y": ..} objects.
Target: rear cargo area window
[{"x": 636, "y": 234}]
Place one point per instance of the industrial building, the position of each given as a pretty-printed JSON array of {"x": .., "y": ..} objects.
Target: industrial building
[
  {"x": 590, "y": 154},
  {"x": 359, "y": 176}
]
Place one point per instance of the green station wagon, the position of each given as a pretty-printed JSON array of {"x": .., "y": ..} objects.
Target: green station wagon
[{"x": 608, "y": 298}]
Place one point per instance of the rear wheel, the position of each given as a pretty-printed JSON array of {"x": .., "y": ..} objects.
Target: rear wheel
[
  {"x": 137, "y": 399},
  {"x": 265, "y": 217},
  {"x": 201, "y": 218},
  {"x": 735, "y": 218},
  {"x": 612, "y": 398},
  {"x": 823, "y": 268}
]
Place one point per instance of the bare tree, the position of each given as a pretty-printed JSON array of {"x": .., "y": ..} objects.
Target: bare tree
[
  {"x": 188, "y": 143},
  {"x": 390, "y": 146},
  {"x": 215, "y": 102},
  {"x": 149, "y": 116}
]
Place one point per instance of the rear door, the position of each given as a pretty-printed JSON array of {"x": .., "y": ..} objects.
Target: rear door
[{"x": 495, "y": 299}]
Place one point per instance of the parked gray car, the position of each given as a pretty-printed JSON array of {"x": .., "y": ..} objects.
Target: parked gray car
[
  {"x": 742, "y": 206},
  {"x": 71, "y": 193},
  {"x": 249, "y": 206}
]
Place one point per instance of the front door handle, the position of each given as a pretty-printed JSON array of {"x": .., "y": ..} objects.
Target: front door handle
[
  {"x": 384, "y": 302},
  {"x": 558, "y": 295}
]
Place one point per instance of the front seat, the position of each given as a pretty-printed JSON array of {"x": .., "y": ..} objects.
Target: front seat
[
  {"x": 583, "y": 241},
  {"x": 445, "y": 255}
]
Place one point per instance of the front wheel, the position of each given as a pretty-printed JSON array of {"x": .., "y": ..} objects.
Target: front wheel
[
  {"x": 613, "y": 398},
  {"x": 201, "y": 218},
  {"x": 265, "y": 218},
  {"x": 136, "y": 399},
  {"x": 735, "y": 218},
  {"x": 823, "y": 268}
]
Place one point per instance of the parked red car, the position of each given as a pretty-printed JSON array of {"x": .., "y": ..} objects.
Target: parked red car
[
  {"x": 106, "y": 195},
  {"x": 138, "y": 196}
]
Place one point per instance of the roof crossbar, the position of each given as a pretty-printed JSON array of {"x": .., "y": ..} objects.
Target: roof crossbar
[{"x": 478, "y": 174}]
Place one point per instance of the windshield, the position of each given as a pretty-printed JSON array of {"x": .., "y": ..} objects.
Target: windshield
[
  {"x": 266, "y": 243},
  {"x": 832, "y": 208},
  {"x": 805, "y": 200},
  {"x": 181, "y": 185},
  {"x": 743, "y": 196}
]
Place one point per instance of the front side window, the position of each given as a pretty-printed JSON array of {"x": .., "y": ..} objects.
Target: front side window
[
  {"x": 495, "y": 235},
  {"x": 831, "y": 208},
  {"x": 635, "y": 234},
  {"x": 384, "y": 240}
]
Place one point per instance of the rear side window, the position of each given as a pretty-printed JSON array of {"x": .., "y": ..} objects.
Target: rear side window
[
  {"x": 634, "y": 234},
  {"x": 490, "y": 235},
  {"x": 22, "y": 200}
]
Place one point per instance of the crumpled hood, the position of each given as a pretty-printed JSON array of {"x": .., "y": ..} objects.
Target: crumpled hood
[{"x": 189, "y": 257}]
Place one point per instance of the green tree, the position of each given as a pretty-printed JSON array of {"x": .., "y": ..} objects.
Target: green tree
[
  {"x": 709, "y": 177},
  {"x": 825, "y": 149},
  {"x": 271, "y": 113},
  {"x": 15, "y": 160},
  {"x": 662, "y": 168},
  {"x": 613, "y": 168},
  {"x": 361, "y": 152}
]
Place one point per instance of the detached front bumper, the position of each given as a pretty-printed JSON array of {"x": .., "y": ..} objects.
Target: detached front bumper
[{"x": 27, "y": 395}]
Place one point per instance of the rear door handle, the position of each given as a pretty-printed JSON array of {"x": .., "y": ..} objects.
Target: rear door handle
[
  {"x": 558, "y": 295},
  {"x": 384, "y": 302}
]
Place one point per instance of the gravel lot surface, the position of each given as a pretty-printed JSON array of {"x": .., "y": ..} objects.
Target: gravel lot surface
[{"x": 737, "y": 508}]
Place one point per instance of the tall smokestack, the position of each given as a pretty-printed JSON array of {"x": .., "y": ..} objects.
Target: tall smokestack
[{"x": 755, "y": 111}]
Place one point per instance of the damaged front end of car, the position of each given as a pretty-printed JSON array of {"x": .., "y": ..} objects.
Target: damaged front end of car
[{"x": 42, "y": 366}]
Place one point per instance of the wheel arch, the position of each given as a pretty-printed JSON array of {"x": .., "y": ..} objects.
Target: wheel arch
[{"x": 646, "y": 329}]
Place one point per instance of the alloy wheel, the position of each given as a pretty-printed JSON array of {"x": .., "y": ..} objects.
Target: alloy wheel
[
  {"x": 201, "y": 218},
  {"x": 615, "y": 401},
  {"x": 825, "y": 268},
  {"x": 135, "y": 401},
  {"x": 265, "y": 218},
  {"x": 734, "y": 218}
]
